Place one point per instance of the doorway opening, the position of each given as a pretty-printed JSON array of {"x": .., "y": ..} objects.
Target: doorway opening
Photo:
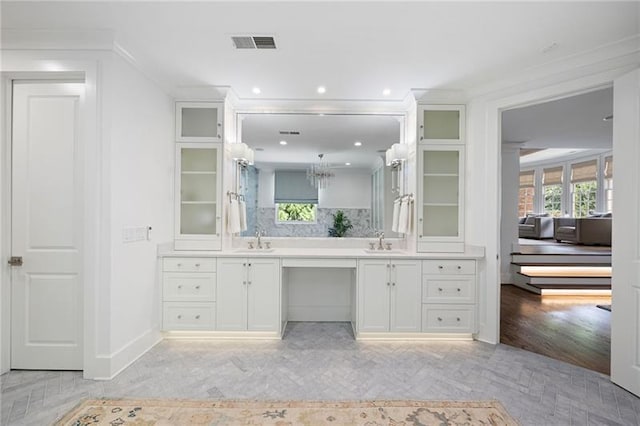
[{"x": 557, "y": 191}]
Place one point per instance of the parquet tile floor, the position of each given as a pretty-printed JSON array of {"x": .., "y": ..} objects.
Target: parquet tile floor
[{"x": 322, "y": 361}]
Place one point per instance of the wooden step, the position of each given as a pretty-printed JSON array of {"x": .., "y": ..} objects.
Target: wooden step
[{"x": 568, "y": 259}]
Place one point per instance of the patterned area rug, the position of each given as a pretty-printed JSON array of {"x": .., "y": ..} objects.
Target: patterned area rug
[{"x": 115, "y": 412}]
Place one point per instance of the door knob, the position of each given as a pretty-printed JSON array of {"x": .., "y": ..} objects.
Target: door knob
[{"x": 15, "y": 261}]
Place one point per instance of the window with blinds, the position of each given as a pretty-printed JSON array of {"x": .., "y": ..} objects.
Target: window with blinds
[
  {"x": 584, "y": 172},
  {"x": 608, "y": 167},
  {"x": 527, "y": 179},
  {"x": 552, "y": 176}
]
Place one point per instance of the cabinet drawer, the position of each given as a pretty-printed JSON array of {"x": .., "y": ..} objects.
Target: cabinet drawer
[
  {"x": 448, "y": 318},
  {"x": 449, "y": 266},
  {"x": 188, "y": 316},
  {"x": 184, "y": 286},
  {"x": 189, "y": 264},
  {"x": 448, "y": 289}
]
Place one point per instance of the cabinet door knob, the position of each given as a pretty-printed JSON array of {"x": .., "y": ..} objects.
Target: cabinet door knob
[
  {"x": 180, "y": 286},
  {"x": 458, "y": 290},
  {"x": 458, "y": 319},
  {"x": 393, "y": 266},
  {"x": 179, "y": 316},
  {"x": 197, "y": 316},
  {"x": 439, "y": 319},
  {"x": 393, "y": 284},
  {"x": 244, "y": 264},
  {"x": 249, "y": 265},
  {"x": 179, "y": 265},
  {"x": 440, "y": 267},
  {"x": 388, "y": 283},
  {"x": 439, "y": 289},
  {"x": 197, "y": 265},
  {"x": 244, "y": 282},
  {"x": 459, "y": 267},
  {"x": 197, "y": 287},
  {"x": 249, "y": 282}
]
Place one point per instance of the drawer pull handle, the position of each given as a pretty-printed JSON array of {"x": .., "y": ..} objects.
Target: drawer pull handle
[
  {"x": 197, "y": 316},
  {"x": 197, "y": 287},
  {"x": 179, "y": 316},
  {"x": 440, "y": 267},
  {"x": 458, "y": 319},
  {"x": 439, "y": 319},
  {"x": 197, "y": 265}
]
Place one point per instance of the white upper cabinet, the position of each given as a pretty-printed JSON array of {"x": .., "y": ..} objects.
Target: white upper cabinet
[
  {"x": 198, "y": 212},
  {"x": 441, "y": 124},
  {"x": 199, "y": 121}
]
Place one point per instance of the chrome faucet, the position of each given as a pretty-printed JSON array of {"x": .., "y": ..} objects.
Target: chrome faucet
[
  {"x": 259, "y": 235},
  {"x": 380, "y": 236}
]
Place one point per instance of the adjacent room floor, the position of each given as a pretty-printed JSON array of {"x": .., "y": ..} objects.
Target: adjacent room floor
[
  {"x": 568, "y": 328},
  {"x": 322, "y": 361}
]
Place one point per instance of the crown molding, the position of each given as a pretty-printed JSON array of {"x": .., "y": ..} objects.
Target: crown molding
[{"x": 13, "y": 39}]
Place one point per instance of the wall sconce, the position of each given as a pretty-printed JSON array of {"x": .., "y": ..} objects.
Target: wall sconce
[
  {"x": 241, "y": 154},
  {"x": 397, "y": 154}
]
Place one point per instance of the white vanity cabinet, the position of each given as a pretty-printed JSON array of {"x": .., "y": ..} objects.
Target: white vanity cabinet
[
  {"x": 199, "y": 121},
  {"x": 389, "y": 295},
  {"x": 449, "y": 296},
  {"x": 441, "y": 124},
  {"x": 188, "y": 293},
  {"x": 248, "y": 294},
  {"x": 440, "y": 209},
  {"x": 198, "y": 210}
]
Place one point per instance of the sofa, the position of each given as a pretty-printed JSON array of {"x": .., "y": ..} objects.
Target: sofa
[
  {"x": 536, "y": 226},
  {"x": 591, "y": 230}
]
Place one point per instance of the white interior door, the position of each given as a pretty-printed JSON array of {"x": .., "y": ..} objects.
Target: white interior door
[
  {"x": 46, "y": 290},
  {"x": 625, "y": 310}
]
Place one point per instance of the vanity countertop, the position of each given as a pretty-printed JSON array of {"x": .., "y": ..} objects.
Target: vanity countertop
[{"x": 471, "y": 252}]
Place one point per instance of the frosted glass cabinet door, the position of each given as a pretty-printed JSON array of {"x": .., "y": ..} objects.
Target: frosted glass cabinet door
[
  {"x": 199, "y": 121},
  {"x": 440, "y": 212},
  {"x": 198, "y": 208},
  {"x": 441, "y": 123}
]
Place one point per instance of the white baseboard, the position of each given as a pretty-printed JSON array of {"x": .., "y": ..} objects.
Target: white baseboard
[{"x": 106, "y": 367}]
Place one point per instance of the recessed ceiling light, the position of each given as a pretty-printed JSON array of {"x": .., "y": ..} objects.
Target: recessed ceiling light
[
  {"x": 283, "y": 142},
  {"x": 357, "y": 143},
  {"x": 347, "y": 164},
  {"x": 322, "y": 89},
  {"x": 386, "y": 92},
  {"x": 256, "y": 90}
]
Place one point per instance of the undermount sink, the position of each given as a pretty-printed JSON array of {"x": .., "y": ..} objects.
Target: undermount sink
[
  {"x": 254, "y": 250},
  {"x": 375, "y": 251}
]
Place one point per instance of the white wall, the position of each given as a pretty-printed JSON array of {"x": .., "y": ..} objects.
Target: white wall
[
  {"x": 510, "y": 191},
  {"x": 349, "y": 189},
  {"x": 141, "y": 192}
]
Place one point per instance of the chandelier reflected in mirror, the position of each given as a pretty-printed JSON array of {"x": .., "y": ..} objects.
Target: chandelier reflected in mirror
[{"x": 320, "y": 174}]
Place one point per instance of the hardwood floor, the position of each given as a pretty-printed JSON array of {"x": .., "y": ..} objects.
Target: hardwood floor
[{"x": 566, "y": 328}]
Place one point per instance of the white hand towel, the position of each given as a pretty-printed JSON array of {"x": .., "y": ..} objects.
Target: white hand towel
[
  {"x": 410, "y": 215},
  {"x": 396, "y": 215},
  {"x": 403, "y": 216},
  {"x": 242, "y": 206},
  {"x": 234, "y": 217}
]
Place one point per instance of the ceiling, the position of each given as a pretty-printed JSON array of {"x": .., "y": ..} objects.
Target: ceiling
[
  {"x": 353, "y": 48},
  {"x": 561, "y": 128},
  {"x": 328, "y": 134}
]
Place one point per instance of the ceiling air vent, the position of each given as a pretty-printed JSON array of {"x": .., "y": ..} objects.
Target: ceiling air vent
[{"x": 253, "y": 42}]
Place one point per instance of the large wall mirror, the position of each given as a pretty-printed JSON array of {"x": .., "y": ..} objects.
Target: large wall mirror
[{"x": 308, "y": 167}]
